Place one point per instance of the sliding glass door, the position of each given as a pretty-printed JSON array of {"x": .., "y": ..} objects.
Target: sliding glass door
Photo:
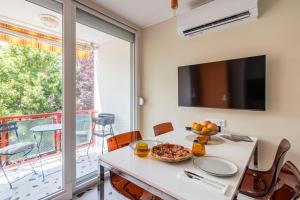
[
  {"x": 104, "y": 92},
  {"x": 31, "y": 105},
  {"x": 55, "y": 54}
]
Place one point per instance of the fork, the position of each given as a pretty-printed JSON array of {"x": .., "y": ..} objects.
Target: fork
[{"x": 204, "y": 180}]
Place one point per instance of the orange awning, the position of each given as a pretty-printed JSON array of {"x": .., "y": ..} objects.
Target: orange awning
[{"x": 32, "y": 39}]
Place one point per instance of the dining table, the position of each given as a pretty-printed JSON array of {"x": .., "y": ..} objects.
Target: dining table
[{"x": 166, "y": 180}]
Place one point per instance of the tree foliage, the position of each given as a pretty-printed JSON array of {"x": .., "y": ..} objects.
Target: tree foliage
[
  {"x": 30, "y": 81},
  {"x": 85, "y": 83}
]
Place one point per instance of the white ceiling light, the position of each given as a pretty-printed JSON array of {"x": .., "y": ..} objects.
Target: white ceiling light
[{"x": 49, "y": 21}]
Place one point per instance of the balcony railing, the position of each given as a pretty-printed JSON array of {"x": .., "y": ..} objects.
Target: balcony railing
[{"x": 52, "y": 142}]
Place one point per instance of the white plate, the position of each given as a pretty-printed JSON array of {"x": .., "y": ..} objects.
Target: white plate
[{"x": 216, "y": 166}]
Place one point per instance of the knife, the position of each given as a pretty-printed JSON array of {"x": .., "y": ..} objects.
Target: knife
[{"x": 212, "y": 183}]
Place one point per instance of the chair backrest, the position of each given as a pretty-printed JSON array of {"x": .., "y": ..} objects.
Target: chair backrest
[
  {"x": 122, "y": 140},
  {"x": 163, "y": 128},
  {"x": 288, "y": 184},
  {"x": 274, "y": 171},
  {"x": 104, "y": 119},
  {"x": 9, "y": 127}
]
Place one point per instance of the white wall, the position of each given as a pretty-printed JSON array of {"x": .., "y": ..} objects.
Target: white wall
[
  {"x": 276, "y": 34},
  {"x": 112, "y": 82}
]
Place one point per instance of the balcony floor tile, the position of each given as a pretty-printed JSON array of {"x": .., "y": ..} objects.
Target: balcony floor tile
[{"x": 32, "y": 186}]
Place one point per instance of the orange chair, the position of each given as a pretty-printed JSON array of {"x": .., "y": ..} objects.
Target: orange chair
[
  {"x": 122, "y": 185},
  {"x": 163, "y": 128},
  {"x": 288, "y": 184},
  {"x": 261, "y": 184}
]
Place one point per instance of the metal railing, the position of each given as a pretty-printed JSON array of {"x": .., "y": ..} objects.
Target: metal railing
[{"x": 52, "y": 142}]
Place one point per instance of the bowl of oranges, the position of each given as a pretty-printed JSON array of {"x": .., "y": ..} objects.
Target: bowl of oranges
[{"x": 206, "y": 128}]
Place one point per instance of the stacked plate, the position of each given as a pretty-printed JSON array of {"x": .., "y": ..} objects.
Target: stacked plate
[{"x": 216, "y": 166}]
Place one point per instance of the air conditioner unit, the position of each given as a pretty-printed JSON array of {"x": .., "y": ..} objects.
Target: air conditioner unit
[{"x": 216, "y": 15}]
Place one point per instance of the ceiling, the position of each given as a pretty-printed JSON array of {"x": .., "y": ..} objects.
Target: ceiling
[
  {"x": 27, "y": 15},
  {"x": 145, "y": 13}
]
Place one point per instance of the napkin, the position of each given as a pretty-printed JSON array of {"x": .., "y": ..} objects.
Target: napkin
[
  {"x": 237, "y": 138},
  {"x": 182, "y": 176}
]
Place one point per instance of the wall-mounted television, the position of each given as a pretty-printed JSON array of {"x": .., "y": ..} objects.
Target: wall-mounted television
[{"x": 233, "y": 84}]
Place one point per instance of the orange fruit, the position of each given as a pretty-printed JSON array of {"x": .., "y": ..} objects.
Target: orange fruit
[
  {"x": 213, "y": 127},
  {"x": 194, "y": 125},
  {"x": 206, "y": 130},
  {"x": 205, "y": 123},
  {"x": 197, "y": 127}
]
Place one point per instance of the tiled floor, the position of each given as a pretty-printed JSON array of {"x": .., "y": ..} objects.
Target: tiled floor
[
  {"x": 111, "y": 194},
  {"x": 92, "y": 194},
  {"x": 32, "y": 186}
]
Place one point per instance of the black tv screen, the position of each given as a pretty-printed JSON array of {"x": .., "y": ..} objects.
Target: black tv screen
[{"x": 234, "y": 84}]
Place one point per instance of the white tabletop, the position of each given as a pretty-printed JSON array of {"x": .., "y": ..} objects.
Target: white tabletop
[
  {"x": 164, "y": 176},
  {"x": 46, "y": 127}
]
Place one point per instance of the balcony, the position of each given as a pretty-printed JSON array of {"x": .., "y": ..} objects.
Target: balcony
[
  {"x": 27, "y": 184},
  {"x": 32, "y": 77}
]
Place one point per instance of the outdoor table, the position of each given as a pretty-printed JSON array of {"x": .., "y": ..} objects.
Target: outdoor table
[
  {"x": 41, "y": 129},
  {"x": 162, "y": 179}
]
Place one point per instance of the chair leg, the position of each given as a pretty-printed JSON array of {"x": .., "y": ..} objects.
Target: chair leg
[
  {"x": 103, "y": 132},
  {"x": 32, "y": 168},
  {"x": 235, "y": 197},
  {"x": 25, "y": 157},
  {"x": 255, "y": 157},
  {"x": 111, "y": 129},
  {"x": 88, "y": 150},
  {"x": 39, "y": 153},
  {"x": 2, "y": 168}
]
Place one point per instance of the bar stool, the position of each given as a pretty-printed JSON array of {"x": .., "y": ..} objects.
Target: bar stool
[{"x": 104, "y": 121}]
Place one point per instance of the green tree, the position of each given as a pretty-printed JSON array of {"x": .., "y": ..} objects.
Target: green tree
[{"x": 30, "y": 81}]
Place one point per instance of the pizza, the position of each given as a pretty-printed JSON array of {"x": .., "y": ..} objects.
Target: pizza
[{"x": 170, "y": 152}]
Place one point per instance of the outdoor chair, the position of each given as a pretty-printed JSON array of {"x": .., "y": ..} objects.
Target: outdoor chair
[
  {"x": 23, "y": 148},
  {"x": 103, "y": 120}
]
